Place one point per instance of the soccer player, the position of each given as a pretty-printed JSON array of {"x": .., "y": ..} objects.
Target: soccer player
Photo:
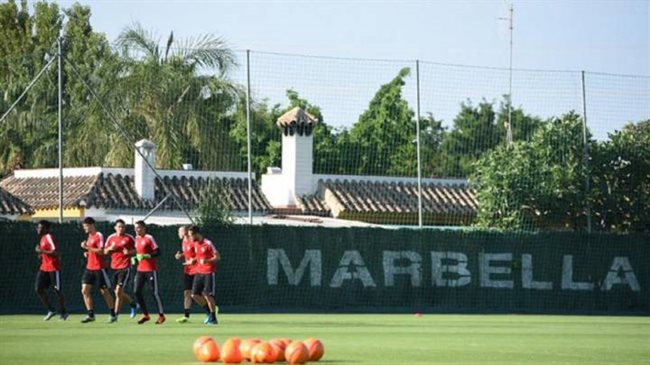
[
  {"x": 95, "y": 273},
  {"x": 121, "y": 246},
  {"x": 206, "y": 257},
  {"x": 187, "y": 254},
  {"x": 147, "y": 250},
  {"x": 48, "y": 273}
]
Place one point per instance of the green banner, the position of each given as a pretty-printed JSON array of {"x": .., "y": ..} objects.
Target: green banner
[{"x": 277, "y": 268}]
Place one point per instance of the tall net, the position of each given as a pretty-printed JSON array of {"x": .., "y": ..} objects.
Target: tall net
[
  {"x": 277, "y": 268},
  {"x": 533, "y": 147}
]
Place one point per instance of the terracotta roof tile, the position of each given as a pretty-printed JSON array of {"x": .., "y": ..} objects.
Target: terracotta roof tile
[
  {"x": 313, "y": 205},
  {"x": 11, "y": 205},
  {"x": 43, "y": 193},
  {"x": 444, "y": 201},
  {"x": 295, "y": 116},
  {"x": 117, "y": 191}
]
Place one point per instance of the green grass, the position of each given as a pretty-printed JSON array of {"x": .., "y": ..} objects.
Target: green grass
[{"x": 348, "y": 338}]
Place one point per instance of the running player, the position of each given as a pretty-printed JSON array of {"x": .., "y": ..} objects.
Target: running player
[
  {"x": 187, "y": 254},
  {"x": 49, "y": 271},
  {"x": 121, "y": 246},
  {"x": 95, "y": 273},
  {"x": 146, "y": 252},
  {"x": 206, "y": 257}
]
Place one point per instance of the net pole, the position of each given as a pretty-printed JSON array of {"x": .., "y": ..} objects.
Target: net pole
[
  {"x": 509, "y": 131},
  {"x": 248, "y": 137},
  {"x": 417, "y": 141},
  {"x": 60, "y": 97},
  {"x": 585, "y": 150}
]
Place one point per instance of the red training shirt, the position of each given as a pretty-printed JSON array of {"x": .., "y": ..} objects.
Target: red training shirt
[
  {"x": 204, "y": 250},
  {"x": 96, "y": 261},
  {"x": 188, "y": 252},
  {"x": 119, "y": 260},
  {"x": 48, "y": 263},
  {"x": 146, "y": 245}
]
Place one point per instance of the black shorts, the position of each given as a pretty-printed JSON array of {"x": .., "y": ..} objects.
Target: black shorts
[
  {"x": 96, "y": 276},
  {"x": 203, "y": 284},
  {"x": 188, "y": 281},
  {"x": 46, "y": 278},
  {"x": 121, "y": 277}
]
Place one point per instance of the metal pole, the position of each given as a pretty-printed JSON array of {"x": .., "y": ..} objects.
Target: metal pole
[
  {"x": 585, "y": 147},
  {"x": 509, "y": 136},
  {"x": 59, "y": 43},
  {"x": 248, "y": 138},
  {"x": 31, "y": 84},
  {"x": 417, "y": 140}
]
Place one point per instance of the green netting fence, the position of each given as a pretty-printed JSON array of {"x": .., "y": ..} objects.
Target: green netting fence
[{"x": 278, "y": 268}]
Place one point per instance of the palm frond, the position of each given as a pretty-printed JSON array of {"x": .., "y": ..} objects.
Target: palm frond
[
  {"x": 170, "y": 41},
  {"x": 134, "y": 38},
  {"x": 207, "y": 51}
]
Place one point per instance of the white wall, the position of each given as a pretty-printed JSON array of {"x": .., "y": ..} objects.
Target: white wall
[
  {"x": 275, "y": 188},
  {"x": 296, "y": 174}
]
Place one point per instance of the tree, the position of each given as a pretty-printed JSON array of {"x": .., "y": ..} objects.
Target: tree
[
  {"x": 620, "y": 187},
  {"x": 474, "y": 133},
  {"x": 536, "y": 184},
  {"x": 184, "y": 112},
  {"x": 477, "y": 130},
  {"x": 27, "y": 43},
  {"x": 266, "y": 136},
  {"x": 326, "y": 153},
  {"x": 381, "y": 141},
  {"x": 523, "y": 125},
  {"x": 214, "y": 208},
  {"x": 89, "y": 134}
]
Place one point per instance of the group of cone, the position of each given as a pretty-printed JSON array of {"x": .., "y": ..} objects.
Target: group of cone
[{"x": 234, "y": 350}]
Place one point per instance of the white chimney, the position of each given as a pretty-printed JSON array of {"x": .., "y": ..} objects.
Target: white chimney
[
  {"x": 297, "y": 160},
  {"x": 145, "y": 180}
]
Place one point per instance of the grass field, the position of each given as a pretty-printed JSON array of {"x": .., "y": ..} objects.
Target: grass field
[{"x": 348, "y": 339}]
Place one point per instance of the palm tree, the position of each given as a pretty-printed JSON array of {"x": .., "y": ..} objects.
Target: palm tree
[{"x": 179, "y": 93}]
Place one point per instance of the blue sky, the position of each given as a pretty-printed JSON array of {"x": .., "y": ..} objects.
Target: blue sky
[
  {"x": 600, "y": 36},
  {"x": 597, "y": 36}
]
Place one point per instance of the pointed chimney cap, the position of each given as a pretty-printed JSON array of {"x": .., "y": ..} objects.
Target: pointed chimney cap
[
  {"x": 296, "y": 121},
  {"x": 296, "y": 116},
  {"x": 147, "y": 144}
]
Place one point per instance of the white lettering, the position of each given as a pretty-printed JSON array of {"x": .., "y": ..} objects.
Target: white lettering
[
  {"x": 414, "y": 269},
  {"x": 527, "y": 281},
  {"x": 361, "y": 272},
  {"x": 458, "y": 269},
  {"x": 567, "y": 276},
  {"x": 312, "y": 259},
  {"x": 485, "y": 270},
  {"x": 613, "y": 277}
]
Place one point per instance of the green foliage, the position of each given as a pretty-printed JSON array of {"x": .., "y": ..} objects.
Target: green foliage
[
  {"x": 214, "y": 208},
  {"x": 536, "y": 184},
  {"x": 381, "y": 142},
  {"x": 158, "y": 93},
  {"x": 478, "y": 130},
  {"x": 27, "y": 43},
  {"x": 620, "y": 185},
  {"x": 385, "y": 127},
  {"x": 183, "y": 112},
  {"x": 265, "y": 136}
]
